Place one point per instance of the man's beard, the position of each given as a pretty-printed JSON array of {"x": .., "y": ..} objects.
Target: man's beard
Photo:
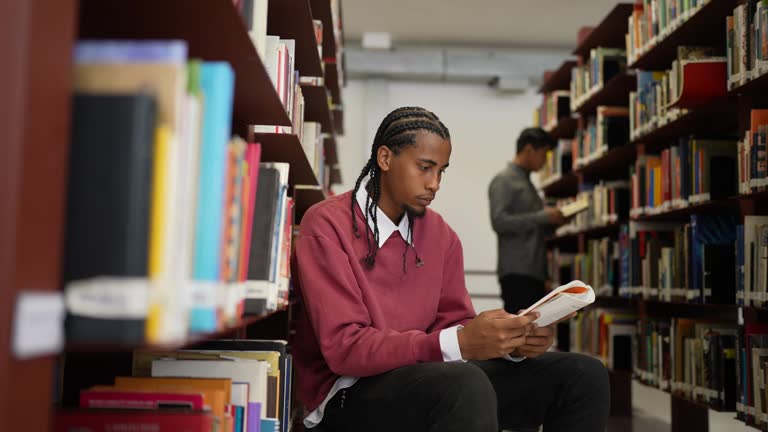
[{"x": 412, "y": 213}]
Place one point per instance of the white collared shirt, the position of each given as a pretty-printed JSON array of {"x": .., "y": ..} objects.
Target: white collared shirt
[{"x": 449, "y": 339}]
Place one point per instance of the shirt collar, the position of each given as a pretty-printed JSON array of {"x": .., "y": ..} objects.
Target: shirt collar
[{"x": 386, "y": 226}]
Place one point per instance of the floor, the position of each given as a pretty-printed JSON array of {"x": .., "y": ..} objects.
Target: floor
[{"x": 652, "y": 414}]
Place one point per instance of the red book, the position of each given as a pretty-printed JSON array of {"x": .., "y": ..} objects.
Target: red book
[
  {"x": 125, "y": 399},
  {"x": 110, "y": 421}
]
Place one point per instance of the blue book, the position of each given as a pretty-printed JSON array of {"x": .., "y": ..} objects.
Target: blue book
[
  {"x": 270, "y": 425},
  {"x": 217, "y": 81},
  {"x": 131, "y": 51},
  {"x": 651, "y": 182},
  {"x": 239, "y": 416}
]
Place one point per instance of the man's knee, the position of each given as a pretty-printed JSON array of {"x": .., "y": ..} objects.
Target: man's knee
[
  {"x": 467, "y": 393},
  {"x": 594, "y": 373}
]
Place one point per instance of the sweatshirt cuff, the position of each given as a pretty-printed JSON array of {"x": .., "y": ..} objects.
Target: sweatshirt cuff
[
  {"x": 449, "y": 344},
  {"x": 427, "y": 349}
]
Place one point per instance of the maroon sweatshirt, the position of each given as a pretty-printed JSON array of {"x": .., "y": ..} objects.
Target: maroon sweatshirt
[{"x": 355, "y": 321}]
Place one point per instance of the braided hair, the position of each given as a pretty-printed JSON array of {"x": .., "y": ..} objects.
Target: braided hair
[{"x": 397, "y": 131}]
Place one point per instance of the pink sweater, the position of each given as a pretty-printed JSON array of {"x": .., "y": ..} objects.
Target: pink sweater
[{"x": 359, "y": 322}]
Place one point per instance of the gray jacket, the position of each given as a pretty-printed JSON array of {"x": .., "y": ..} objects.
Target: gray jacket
[{"x": 520, "y": 222}]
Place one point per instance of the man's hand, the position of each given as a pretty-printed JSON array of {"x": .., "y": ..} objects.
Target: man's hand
[
  {"x": 537, "y": 342},
  {"x": 494, "y": 334},
  {"x": 555, "y": 216}
]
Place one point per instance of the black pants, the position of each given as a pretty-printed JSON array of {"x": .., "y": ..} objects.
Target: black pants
[
  {"x": 520, "y": 291},
  {"x": 565, "y": 392}
]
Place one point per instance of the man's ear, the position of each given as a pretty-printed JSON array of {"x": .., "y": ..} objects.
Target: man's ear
[{"x": 384, "y": 157}]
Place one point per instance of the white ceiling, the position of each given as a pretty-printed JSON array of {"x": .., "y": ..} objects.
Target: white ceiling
[{"x": 531, "y": 23}]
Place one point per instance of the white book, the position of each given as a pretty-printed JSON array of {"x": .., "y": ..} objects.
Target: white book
[
  {"x": 271, "y": 59},
  {"x": 239, "y": 398},
  {"x": 561, "y": 302},
  {"x": 258, "y": 33},
  {"x": 574, "y": 207}
]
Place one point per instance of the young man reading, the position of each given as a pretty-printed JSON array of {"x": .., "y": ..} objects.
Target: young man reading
[
  {"x": 522, "y": 223},
  {"x": 387, "y": 338}
]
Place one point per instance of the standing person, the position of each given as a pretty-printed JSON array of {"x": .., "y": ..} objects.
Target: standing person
[
  {"x": 522, "y": 222},
  {"x": 387, "y": 338}
]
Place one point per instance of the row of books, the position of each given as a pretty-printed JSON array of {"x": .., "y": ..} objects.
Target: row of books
[
  {"x": 752, "y": 154},
  {"x": 607, "y": 203},
  {"x": 558, "y": 162},
  {"x": 698, "y": 360},
  {"x": 223, "y": 385},
  {"x": 607, "y": 130},
  {"x": 173, "y": 226},
  {"x": 747, "y": 36},
  {"x": 598, "y": 265},
  {"x": 710, "y": 259},
  {"x": 683, "y": 175},
  {"x": 653, "y": 20},
  {"x": 607, "y": 334},
  {"x": 555, "y": 106},
  {"x": 603, "y": 64}
]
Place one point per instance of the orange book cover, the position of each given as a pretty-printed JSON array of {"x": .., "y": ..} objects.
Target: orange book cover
[{"x": 217, "y": 391}]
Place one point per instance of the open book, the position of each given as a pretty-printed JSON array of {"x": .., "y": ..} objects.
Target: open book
[
  {"x": 573, "y": 208},
  {"x": 562, "y": 301}
]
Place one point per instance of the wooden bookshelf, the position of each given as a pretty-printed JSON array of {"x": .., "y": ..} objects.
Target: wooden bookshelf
[
  {"x": 338, "y": 120},
  {"x": 236, "y": 330},
  {"x": 704, "y": 28},
  {"x": 36, "y": 39},
  {"x": 613, "y": 93},
  {"x": 563, "y": 186},
  {"x": 612, "y": 165},
  {"x": 213, "y": 31},
  {"x": 335, "y": 175},
  {"x": 306, "y": 197},
  {"x": 321, "y": 9},
  {"x": 287, "y": 148},
  {"x": 609, "y": 33},
  {"x": 712, "y": 118},
  {"x": 316, "y": 107},
  {"x": 331, "y": 152},
  {"x": 333, "y": 83},
  {"x": 565, "y": 128},
  {"x": 684, "y": 213},
  {"x": 292, "y": 19},
  {"x": 560, "y": 79}
]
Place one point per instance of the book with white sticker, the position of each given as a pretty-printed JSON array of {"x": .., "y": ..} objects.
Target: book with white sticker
[{"x": 562, "y": 301}]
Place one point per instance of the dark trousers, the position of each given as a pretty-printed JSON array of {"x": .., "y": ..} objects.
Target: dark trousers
[
  {"x": 520, "y": 292},
  {"x": 563, "y": 391}
]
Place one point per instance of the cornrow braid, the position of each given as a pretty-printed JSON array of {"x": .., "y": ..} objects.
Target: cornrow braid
[{"x": 396, "y": 131}]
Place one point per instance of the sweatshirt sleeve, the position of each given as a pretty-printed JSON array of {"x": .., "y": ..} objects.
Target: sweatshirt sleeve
[
  {"x": 502, "y": 220},
  {"x": 342, "y": 324},
  {"x": 455, "y": 306}
]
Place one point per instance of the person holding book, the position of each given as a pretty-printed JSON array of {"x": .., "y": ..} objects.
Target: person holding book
[
  {"x": 522, "y": 222},
  {"x": 387, "y": 338}
]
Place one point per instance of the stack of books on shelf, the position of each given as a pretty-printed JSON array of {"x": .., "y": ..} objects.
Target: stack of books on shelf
[
  {"x": 586, "y": 80},
  {"x": 555, "y": 106},
  {"x": 682, "y": 175},
  {"x": 606, "y": 334},
  {"x": 696, "y": 359},
  {"x": 607, "y": 130},
  {"x": 707, "y": 259},
  {"x": 183, "y": 230},
  {"x": 747, "y": 33},
  {"x": 224, "y": 385},
  {"x": 752, "y": 154},
  {"x": 653, "y": 104},
  {"x": 558, "y": 163},
  {"x": 607, "y": 203},
  {"x": 654, "y": 20}
]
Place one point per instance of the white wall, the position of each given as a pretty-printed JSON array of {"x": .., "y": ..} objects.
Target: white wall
[{"x": 484, "y": 126}]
